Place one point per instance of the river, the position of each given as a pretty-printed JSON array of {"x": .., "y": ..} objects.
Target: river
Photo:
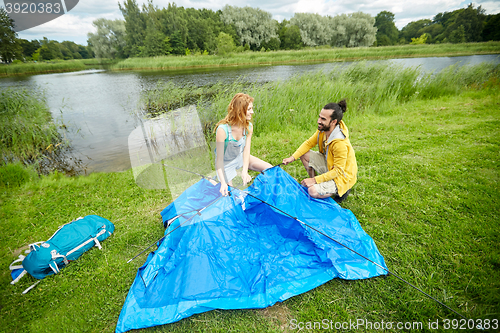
[{"x": 98, "y": 107}]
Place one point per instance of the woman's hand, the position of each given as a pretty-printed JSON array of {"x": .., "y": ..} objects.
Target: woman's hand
[
  {"x": 246, "y": 178},
  {"x": 223, "y": 189}
]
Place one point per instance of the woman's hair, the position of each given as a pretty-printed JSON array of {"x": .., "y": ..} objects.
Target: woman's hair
[
  {"x": 237, "y": 111},
  {"x": 338, "y": 110}
]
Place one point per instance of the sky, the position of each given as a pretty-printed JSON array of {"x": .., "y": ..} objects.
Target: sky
[{"x": 77, "y": 23}]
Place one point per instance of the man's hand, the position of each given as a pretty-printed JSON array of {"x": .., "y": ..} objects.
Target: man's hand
[
  {"x": 288, "y": 160},
  {"x": 309, "y": 182}
]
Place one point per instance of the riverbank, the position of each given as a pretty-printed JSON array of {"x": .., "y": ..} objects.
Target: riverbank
[
  {"x": 427, "y": 193},
  {"x": 304, "y": 56},
  {"x": 309, "y": 55},
  {"x": 49, "y": 67}
]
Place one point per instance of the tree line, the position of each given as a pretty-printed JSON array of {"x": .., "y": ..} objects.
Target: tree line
[
  {"x": 152, "y": 31},
  {"x": 465, "y": 25},
  {"x": 13, "y": 48}
]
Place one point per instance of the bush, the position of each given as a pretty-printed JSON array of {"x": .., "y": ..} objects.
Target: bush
[{"x": 15, "y": 175}]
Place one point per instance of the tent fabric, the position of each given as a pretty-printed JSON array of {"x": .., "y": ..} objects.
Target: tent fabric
[{"x": 236, "y": 252}]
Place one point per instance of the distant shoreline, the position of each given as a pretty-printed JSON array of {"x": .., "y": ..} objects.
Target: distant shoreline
[{"x": 249, "y": 58}]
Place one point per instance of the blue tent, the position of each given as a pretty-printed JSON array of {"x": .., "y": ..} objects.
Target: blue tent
[{"x": 237, "y": 252}]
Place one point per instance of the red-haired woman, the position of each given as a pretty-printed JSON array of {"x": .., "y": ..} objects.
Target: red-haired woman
[{"x": 233, "y": 140}]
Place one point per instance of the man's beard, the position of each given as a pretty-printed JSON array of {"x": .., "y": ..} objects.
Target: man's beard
[{"x": 324, "y": 128}]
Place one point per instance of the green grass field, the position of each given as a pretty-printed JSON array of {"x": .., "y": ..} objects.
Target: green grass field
[{"x": 428, "y": 194}]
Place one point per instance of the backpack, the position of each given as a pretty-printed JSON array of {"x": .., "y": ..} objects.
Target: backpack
[{"x": 68, "y": 243}]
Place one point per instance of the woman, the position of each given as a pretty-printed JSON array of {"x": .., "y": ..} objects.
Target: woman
[{"x": 233, "y": 141}]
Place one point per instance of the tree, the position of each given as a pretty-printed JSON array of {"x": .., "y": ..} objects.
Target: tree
[
  {"x": 433, "y": 31},
  {"x": 29, "y": 48},
  {"x": 156, "y": 43},
  {"x": 353, "y": 30},
  {"x": 457, "y": 35},
  {"x": 387, "y": 33},
  {"x": 314, "y": 28},
  {"x": 491, "y": 29},
  {"x": 65, "y": 51},
  {"x": 414, "y": 29},
  {"x": 85, "y": 52},
  {"x": 50, "y": 50},
  {"x": 290, "y": 38},
  {"x": 10, "y": 49},
  {"x": 73, "y": 48},
  {"x": 201, "y": 27},
  {"x": 178, "y": 43},
  {"x": 253, "y": 25},
  {"x": 225, "y": 44},
  {"x": 461, "y": 25},
  {"x": 135, "y": 27},
  {"x": 109, "y": 41},
  {"x": 420, "y": 40},
  {"x": 273, "y": 44},
  {"x": 472, "y": 20}
]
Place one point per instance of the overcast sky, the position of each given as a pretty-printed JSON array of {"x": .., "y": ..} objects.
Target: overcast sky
[{"x": 75, "y": 25}]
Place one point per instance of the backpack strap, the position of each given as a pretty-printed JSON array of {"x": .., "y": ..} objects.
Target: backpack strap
[
  {"x": 14, "y": 267},
  {"x": 94, "y": 239},
  {"x": 56, "y": 255},
  {"x": 53, "y": 266},
  {"x": 33, "y": 246},
  {"x": 31, "y": 287}
]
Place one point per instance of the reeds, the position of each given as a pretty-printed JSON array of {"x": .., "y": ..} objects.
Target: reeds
[
  {"x": 27, "y": 129},
  {"x": 368, "y": 88}
]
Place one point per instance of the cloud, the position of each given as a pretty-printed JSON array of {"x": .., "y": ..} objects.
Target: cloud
[{"x": 63, "y": 28}]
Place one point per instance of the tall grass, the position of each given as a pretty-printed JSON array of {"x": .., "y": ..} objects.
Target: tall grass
[
  {"x": 309, "y": 55},
  {"x": 368, "y": 88},
  {"x": 53, "y": 66},
  {"x": 27, "y": 129},
  {"x": 41, "y": 67}
]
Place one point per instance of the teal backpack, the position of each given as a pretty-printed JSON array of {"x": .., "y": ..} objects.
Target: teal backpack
[{"x": 68, "y": 243}]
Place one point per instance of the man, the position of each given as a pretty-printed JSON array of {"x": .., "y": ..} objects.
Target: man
[{"x": 335, "y": 163}]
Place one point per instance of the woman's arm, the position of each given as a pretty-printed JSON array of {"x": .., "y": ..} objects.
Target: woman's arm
[
  {"x": 246, "y": 156},
  {"x": 220, "y": 137}
]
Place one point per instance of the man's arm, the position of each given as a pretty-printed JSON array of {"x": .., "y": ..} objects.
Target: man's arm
[{"x": 304, "y": 148}]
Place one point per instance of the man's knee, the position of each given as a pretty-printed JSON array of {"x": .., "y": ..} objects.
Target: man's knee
[{"x": 313, "y": 193}]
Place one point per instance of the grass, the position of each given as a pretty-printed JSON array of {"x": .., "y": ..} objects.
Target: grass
[
  {"x": 53, "y": 66},
  {"x": 27, "y": 130},
  {"x": 308, "y": 55},
  {"x": 428, "y": 194}
]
